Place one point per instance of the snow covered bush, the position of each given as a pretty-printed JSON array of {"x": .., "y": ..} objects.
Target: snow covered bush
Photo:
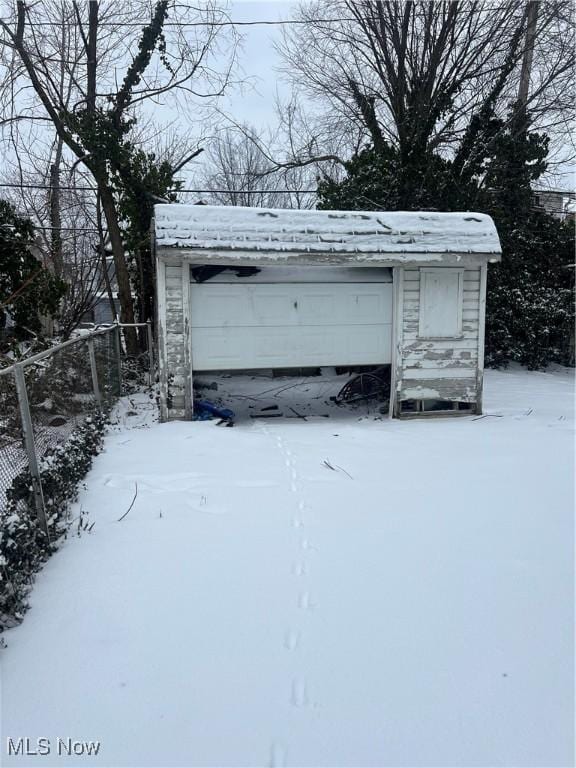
[
  {"x": 135, "y": 373},
  {"x": 24, "y": 546},
  {"x": 530, "y": 297}
]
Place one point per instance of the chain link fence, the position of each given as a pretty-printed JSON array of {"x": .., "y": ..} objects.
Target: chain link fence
[
  {"x": 13, "y": 458},
  {"x": 46, "y": 398}
]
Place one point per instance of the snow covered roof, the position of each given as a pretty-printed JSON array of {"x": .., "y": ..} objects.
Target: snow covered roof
[{"x": 209, "y": 227}]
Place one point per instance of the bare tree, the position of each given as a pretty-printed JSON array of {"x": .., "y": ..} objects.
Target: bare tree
[
  {"x": 239, "y": 170},
  {"x": 68, "y": 241},
  {"x": 411, "y": 73},
  {"x": 61, "y": 64}
]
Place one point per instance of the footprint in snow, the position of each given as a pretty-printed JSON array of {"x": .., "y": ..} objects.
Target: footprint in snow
[
  {"x": 299, "y": 697},
  {"x": 277, "y": 756},
  {"x": 299, "y": 569},
  {"x": 291, "y": 640},
  {"x": 305, "y": 602}
]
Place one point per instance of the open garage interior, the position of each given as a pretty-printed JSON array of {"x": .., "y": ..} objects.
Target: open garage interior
[{"x": 306, "y": 394}]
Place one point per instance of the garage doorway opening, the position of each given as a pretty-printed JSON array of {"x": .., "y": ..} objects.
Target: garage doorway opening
[
  {"x": 313, "y": 394},
  {"x": 294, "y": 342}
]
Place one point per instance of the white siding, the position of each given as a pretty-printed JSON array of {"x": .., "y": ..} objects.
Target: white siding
[
  {"x": 175, "y": 366},
  {"x": 439, "y": 368}
]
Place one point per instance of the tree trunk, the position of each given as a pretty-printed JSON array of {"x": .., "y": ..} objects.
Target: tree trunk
[
  {"x": 56, "y": 250},
  {"x": 122, "y": 276},
  {"x": 531, "y": 21},
  {"x": 102, "y": 249}
]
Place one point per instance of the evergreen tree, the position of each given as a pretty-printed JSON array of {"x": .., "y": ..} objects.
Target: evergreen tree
[
  {"x": 27, "y": 290},
  {"x": 530, "y": 299},
  {"x": 149, "y": 180},
  {"x": 380, "y": 179},
  {"x": 530, "y": 296}
]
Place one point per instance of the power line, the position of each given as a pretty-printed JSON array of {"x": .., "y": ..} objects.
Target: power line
[
  {"x": 542, "y": 191},
  {"x": 58, "y": 229},
  {"x": 250, "y": 191},
  {"x": 47, "y": 228},
  {"x": 228, "y": 23},
  {"x": 196, "y": 191},
  {"x": 177, "y": 24},
  {"x": 565, "y": 192}
]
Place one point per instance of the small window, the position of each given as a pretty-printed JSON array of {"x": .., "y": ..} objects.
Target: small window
[{"x": 441, "y": 295}]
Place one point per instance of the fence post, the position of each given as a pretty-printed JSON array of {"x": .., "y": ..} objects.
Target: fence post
[
  {"x": 150, "y": 352},
  {"x": 94, "y": 371},
  {"x": 118, "y": 345},
  {"x": 28, "y": 434}
]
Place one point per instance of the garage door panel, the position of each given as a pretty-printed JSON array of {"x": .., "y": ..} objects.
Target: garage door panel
[
  {"x": 266, "y": 344},
  {"x": 216, "y": 347},
  {"x": 215, "y": 305},
  {"x": 264, "y": 326},
  {"x": 238, "y": 348},
  {"x": 364, "y": 307},
  {"x": 315, "y": 308},
  {"x": 269, "y": 307}
]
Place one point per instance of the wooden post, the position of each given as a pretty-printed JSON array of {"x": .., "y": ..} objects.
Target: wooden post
[
  {"x": 118, "y": 345},
  {"x": 28, "y": 435},
  {"x": 94, "y": 371},
  {"x": 161, "y": 337},
  {"x": 187, "y": 358},
  {"x": 481, "y": 337},
  {"x": 150, "y": 351},
  {"x": 397, "y": 368}
]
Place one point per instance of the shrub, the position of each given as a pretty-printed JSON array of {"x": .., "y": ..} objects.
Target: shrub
[
  {"x": 530, "y": 298},
  {"x": 24, "y": 546}
]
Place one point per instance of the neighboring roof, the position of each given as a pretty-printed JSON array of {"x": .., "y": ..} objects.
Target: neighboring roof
[{"x": 284, "y": 230}]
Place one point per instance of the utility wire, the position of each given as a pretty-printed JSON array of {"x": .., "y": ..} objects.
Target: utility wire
[
  {"x": 228, "y": 23},
  {"x": 566, "y": 192},
  {"x": 261, "y": 22},
  {"x": 197, "y": 191},
  {"x": 47, "y": 228}
]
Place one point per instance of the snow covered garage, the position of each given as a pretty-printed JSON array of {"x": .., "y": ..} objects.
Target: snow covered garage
[{"x": 252, "y": 288}]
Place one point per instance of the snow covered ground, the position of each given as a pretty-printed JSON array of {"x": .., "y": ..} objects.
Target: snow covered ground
[{"x": 409, "y": 605}]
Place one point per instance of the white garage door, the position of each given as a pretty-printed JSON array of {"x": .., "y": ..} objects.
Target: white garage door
[{"x": 290, "y": 324}]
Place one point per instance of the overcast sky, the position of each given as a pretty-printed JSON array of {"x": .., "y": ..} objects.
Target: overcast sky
[{"x": 258, "y": 60}]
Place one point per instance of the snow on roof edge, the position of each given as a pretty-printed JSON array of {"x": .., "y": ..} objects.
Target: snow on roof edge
[{"x": 346, "y": 232}]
